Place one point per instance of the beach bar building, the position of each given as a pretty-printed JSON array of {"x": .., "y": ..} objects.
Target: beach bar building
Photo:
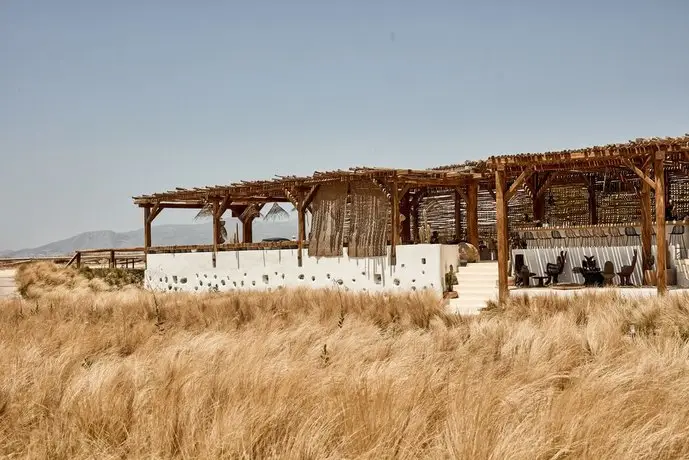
[{"x": 600, "y": 209}]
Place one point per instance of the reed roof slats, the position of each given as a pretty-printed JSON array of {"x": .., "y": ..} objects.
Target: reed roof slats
[{"x": 571, "y": 165}]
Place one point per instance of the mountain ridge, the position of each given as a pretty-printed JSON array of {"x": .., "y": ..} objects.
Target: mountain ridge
[{"x": 162, "y": 235}]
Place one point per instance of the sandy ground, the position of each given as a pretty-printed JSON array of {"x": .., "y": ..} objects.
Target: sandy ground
[{"x": 7, "y": 287}]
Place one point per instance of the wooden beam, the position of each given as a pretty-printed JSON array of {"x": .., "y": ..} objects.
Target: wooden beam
[
  {"x": 309, "y": 196},
  {"x": 518, "y": 183},
  {"x": 290, "y": 194},
  {"x": 503, "y": 243},
  {"x": 646, "y": 225},
  {"x": 661, "y": 259},
  {"x": 112, "y": 259},
  {"x": 223, "y": 205},
  {"x": 472, "y": 214},
  {"x": 647, "y": 180},
  {"x": 155, "y": 212},
  {"x": 189, "y": 205},
  {"x": 543, "y": 187}
]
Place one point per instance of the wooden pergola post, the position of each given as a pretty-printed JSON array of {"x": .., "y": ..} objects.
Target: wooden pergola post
[
  {"x": 503, "y": 195},
  {"x": 394, "y": 225},
  {"x": 248, "y": 230},
  {"x": 646, "y": 223},
  {"x": 147, "y": 229},
  {"x": 302, "y": 205},
  {"x": 149, "y": 216},
  {"x": 472, "y": 213},
  {"x": 301, "y": 224},
  {"x": 458, "y": 215},
  {"x": 405, "y": 210},
  {"x": 112, "y": 259},
  {"x": 503, "y": 250},
  {"x": 661, "y": 259}
]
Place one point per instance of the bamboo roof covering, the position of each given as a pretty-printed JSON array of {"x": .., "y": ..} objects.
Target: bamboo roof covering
[
  {"x": 280, "y": 188},
  {"x": 592, "y": 158},
  {"x": 568, "y": 176}
]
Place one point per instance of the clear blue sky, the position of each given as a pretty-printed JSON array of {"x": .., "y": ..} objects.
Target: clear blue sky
[{"x": 100, "y": 100}]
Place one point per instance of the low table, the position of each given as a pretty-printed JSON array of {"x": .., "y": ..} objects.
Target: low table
[{"x": 540, "y": 280}]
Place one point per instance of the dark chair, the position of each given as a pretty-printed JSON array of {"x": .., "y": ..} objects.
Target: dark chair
[
  {"x": 530, "y": 240},
  {"x": 633, "y": 235},
  {"x": 608, "y": 273},
  {"x": 558, "y": 239}
]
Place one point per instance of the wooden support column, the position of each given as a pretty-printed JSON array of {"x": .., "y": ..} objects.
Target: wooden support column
[
  {"x": 302, "y": 204},
  {"x": 405, "y": 210},
  {"x": 458, "y": 215},
  {"x": 661, "y": 259},
  {"x": 248, "y": 230},
  {"x": 503, "y": 243},
  {"x": 538, "y": 207},
  {"x": 216, "y": 231},
  {"x": 147, "y": 228},
  {"x": 472, "y": 214},
  {"x": 77, "y": 259},
  {"x": 301, "y": 223},
  {"x": 394, "y": 227},
  {"x": 646, "y": 224},
  {"x": 112, "y": 259}
]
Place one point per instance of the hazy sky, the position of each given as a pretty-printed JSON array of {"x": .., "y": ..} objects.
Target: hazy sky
[{"x": 101, "y": 100}]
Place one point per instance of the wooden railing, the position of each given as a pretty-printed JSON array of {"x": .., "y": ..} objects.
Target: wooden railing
[{"x": 122, "y": 257}]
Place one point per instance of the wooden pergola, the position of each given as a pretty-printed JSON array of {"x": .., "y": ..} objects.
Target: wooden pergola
[
  {"x": 647, "y": 159},
  {"x": 403, "y": 187}
]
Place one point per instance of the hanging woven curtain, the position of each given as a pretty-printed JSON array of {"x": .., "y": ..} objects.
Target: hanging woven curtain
[
  {"x": 327, "y": 225},
  {"x": 369, "y": 220}
]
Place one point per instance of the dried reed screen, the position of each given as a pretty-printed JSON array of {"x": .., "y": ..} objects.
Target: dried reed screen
[
  {"x": 327, "y": 226},
  {"x": 369, "y": 215}
]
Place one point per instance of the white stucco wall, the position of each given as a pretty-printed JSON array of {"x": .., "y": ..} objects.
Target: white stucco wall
[{"x": 419, "y": 267}]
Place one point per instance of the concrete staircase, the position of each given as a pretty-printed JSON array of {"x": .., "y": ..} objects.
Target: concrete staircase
[{"x": 476, "y": 284}]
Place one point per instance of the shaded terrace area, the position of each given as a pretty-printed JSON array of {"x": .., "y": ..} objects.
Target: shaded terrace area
[
  {"x": 361, "y": 208},
  {"x": 571, "y": 193}
]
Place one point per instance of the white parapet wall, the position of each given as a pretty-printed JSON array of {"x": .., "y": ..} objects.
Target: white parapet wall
[{"x": 419, "y": 267}]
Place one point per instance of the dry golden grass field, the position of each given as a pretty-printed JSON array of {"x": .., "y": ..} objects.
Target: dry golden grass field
[{"x": 96, "y": 369}]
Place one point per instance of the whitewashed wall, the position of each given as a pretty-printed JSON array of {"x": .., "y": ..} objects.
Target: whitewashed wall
[{"x": 419, "y": 267}]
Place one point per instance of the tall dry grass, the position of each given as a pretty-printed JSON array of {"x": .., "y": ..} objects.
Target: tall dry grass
[{"x": 299, "y": 374}]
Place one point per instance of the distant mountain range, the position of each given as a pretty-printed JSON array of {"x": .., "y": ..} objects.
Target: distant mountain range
[{"x": 162, "y": 235}]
